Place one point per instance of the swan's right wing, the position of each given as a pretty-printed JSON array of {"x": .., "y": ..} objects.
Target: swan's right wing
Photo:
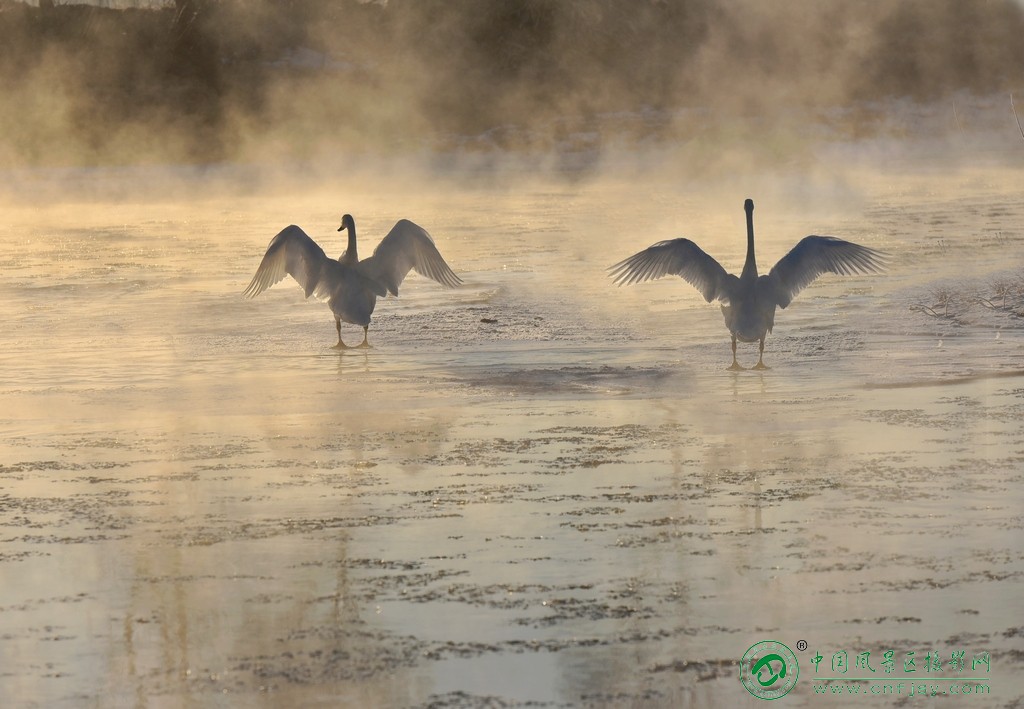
[
  {"x": 407, "y": 246},
  {"x": 291, "y": 253},
  {"x": 680, "y": 257},
  {"x": 815, "y": 255}
]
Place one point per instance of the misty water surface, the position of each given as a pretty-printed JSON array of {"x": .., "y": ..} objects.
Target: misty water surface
[{"x": 536, "y": 489}]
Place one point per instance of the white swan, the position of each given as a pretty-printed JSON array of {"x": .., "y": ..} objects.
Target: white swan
[
  {"x": 749, "y": 302},
  {"x": 351, "y": 286}
]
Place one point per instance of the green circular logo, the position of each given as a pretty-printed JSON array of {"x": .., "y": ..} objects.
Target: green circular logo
[{"x": 769, "y": 669}]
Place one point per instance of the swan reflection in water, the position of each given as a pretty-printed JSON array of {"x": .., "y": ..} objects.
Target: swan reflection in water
[
  {"x": 350, "y": 286},
  {"x": 749, "y": 301}
]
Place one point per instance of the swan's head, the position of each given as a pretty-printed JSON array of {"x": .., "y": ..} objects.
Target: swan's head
[
  {"x": 748, "y": 206},
  {"x": 347, "y": 222}
]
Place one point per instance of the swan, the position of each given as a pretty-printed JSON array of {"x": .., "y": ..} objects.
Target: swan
[
  {"x": 350, "y": 286},
  {"x": 749, "y": 302}
]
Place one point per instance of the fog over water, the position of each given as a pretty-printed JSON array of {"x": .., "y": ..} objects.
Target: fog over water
[
  {"x": 320, "y": 82},
  {"x": 537, "y": 489}
]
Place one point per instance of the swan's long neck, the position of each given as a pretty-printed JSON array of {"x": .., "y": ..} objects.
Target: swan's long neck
[
  {"x": 351, "y": 254},
  {"x": 750, "y": 266}
]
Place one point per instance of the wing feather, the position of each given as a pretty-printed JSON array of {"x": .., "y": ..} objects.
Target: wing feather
[
  {"x": 815, "y": 255},
  {"x": 407, "y": 246},
  {"x": 291, "y": 253},
  {"x": 680, "y": 257}
]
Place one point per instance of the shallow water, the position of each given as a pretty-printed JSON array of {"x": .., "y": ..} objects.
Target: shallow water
[{"x": 535, "y": 490}]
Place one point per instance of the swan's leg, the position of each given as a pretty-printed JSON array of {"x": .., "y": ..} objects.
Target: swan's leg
[
  {"x": 760, "y": 357},
  {"x": 341, "y": 345},
  {"x": 365, "y": 343},
  {"x": 735, "y": 367}
]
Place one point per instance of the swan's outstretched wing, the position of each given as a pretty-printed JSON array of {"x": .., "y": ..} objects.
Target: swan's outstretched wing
[
  {"x": 815, "y": 255},
  {"x": 681, "y": 257},
  {"x": 407, "y": 246},
  {"x": 292, "y": 253}
]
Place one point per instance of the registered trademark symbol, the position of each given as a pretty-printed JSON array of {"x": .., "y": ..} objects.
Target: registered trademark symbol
[{"x": 801, "y": 645}]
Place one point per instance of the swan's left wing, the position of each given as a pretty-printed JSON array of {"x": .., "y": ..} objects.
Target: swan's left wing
[
  {"x": 815, "y": 255},
  {"x": 292, "y": 253},
  {"x": 407, "y": 246},
  {"x": 681, "y": 257}
]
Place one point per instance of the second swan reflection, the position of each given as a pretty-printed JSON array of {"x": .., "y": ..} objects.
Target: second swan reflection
[{"x": 749, "y": 301}]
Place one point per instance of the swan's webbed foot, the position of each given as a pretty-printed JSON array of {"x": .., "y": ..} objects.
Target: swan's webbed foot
[
  {"x": 760, "y": 356},
  {"x": 735, "y": 366},
  {"x": 341, "y": 345},
  {"x": 365, "y": 344}
]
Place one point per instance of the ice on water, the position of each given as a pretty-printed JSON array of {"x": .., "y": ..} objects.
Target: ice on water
[{"x": 537, "y": 474}]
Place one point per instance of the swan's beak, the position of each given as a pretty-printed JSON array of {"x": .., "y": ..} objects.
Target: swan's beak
[{"x": 341, "y": 228}]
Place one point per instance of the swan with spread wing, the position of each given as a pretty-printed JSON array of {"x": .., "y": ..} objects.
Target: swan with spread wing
[
  {"x": 749, "y": 301},
  {"x": 350, "y": 286}
]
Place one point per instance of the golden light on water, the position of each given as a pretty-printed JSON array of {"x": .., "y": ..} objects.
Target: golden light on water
[{"x": 537, "y": 487}]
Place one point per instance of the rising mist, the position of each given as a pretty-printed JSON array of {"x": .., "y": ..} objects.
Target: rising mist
[{"x": 204, "y": 81}]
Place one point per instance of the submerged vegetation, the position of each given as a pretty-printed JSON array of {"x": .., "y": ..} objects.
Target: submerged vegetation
[{"x": 202, "y": 80}]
